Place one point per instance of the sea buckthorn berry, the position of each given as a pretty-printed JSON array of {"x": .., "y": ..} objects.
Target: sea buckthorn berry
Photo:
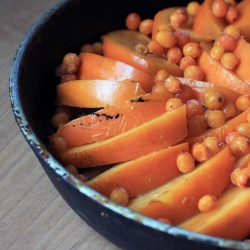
[
  {"x": 232, "y": 14},
  {"x": 141, "y": 48},
  {"x": 146, "y": 26},
  {"x": 227, "y": 41},
  {"x": 194, "y": 72},
  {"x": 159, "y": 88},
  {"x": 219, "y": 8},
  {"x": 213, "y": 144},
  {"x": 216, "y": 42},
  {"x": 161, "y": 76},
  {"x": 61, "y": 70},
  {"x": 174, "y": 54},
  {"x": 244, "y": 129},
  {"x": 192, "y": 49},
  {"x": 68, "y": 77},
  {"x": 120, "y": 195},
  {"x": 72, "y": 169},
  {"x": 182, "y": 37},
  {"x": 63, "y": 109},
  {"x": 185, "y": 94},
  {"x": 207, "y": 203},
  {"x": 166, "y": 26},
  {"x": 215, "y": 118},
  {"x": 242, "y": 103},
  {"x": 240, "y": 145},
  {"x": 179, "y": 17},
  {"x": 193, "y": 107},
  {"x": 229, "y": 60},
  {"x": 200, "y": 152},
  {"x": 166, "y": 38},
  {"x": 87, "y": 48},
  {"x": 98, "y": 48},
  {"x": 213, "y": 99},
  {"x": 59, "y": 119},
  {"x": 217, "y": 51},
  {"x": 194, "y": 126},
  {"x": 207, "y": 92},
  {"x": 81, "y": 177},
  {"x": 229, "y": 138},
  {"x": 202, "y": 121},
  {"x": 187, "y": 61},
  {"x": 133, "y": 21},
  {"x": 155, "y": 48},
  {"x": 57, "y": 144},
  {"x": 192, "y": 8},
  {"x": 235, "y": 175},
  {"x": 71, "y": 61},
  {"x": 173, "y": 103},
  {"x": 229, "y": 110},
  {"x": 185, "y": 162},
  {"x": 233, "y": 31},
  {"x": 205, "y": 114},
  {"x": 241, "y": 177},
  {"x": 173, "y": 85}
]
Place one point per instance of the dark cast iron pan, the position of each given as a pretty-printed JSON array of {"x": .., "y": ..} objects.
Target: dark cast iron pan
[{"x": 63, "y": 29}]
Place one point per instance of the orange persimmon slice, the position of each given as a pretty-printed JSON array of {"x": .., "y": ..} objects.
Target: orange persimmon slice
[
  {"x": 200, "y": 87},
  {"x": 243, "y": 20},
  {"x": 206, "y": 23},
  {"x": 112, "y": 120},
  {"x": 230, "y": 218},
  {"x": 159, "y": 133},
  {"x": 215, "y": 72},
  {"x": 142, "y": 174},
  {"x": 96, "y": 93},
  {"x": 242, "y": 52},
  {"x": 121, "y": 45},
  {"x": 93, "y": 66},
  {"x": 178, "y": 199}
]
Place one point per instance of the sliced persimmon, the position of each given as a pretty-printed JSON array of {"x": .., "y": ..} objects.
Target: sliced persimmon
[
  {"x": 113, "y": 120},
  {"x": 206, "y": 23},
  {"x": 96, "y": 67},
  {"x": 96, "y": 93},
  {"x": 200, "y": 87},
  {"x": 177, "y": 200},
  {"x": 215, "y": 72},
  {"x": 229, "y": 219},
  {"x": 243, "y": 20},
  {"x": 121, "y": 45},
  {"x": 242, "y": 52},
  {"x": 142, "y": 174},
  {"x": 159, "y": 133}
]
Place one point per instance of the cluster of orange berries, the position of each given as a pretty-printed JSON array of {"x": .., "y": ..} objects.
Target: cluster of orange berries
[
  {"x": 222, "y": 49},
  {"x": 173, "y": 43},
  {"x": 67, "y": 70},
  {"x": 176, "y": 44},
  {"x": 212, "y": 114}
]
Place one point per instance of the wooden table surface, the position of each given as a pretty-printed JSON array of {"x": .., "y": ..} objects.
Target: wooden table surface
[{"x": 32, "y": 213}]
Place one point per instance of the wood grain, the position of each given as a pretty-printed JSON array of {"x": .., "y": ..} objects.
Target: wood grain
[{"x": 32, "y": 213}]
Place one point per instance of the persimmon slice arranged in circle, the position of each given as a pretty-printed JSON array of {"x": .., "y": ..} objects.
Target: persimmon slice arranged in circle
[
  {"x": 121, "y": 45},
  {"x": 96, "y": 93}
]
